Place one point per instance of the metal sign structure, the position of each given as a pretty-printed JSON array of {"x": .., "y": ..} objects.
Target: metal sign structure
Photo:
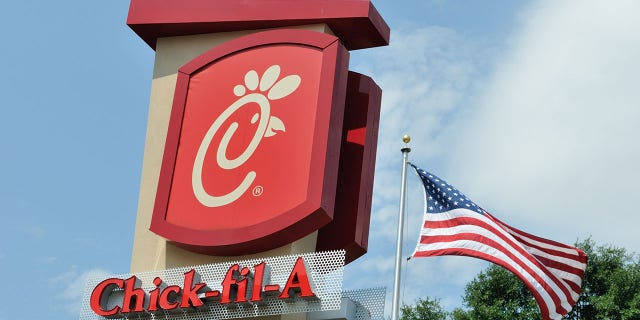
[
  {"x": 257, "y": 130},
  {"x": 252, "y": 152},
  {"x": 260, "y": 143},
  {"x": 323, "y": 269}
]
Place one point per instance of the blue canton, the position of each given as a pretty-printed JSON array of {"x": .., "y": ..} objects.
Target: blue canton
[{"x": 441, "y": 196}]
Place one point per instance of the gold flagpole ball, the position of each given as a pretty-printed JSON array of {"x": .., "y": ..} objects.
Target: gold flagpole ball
[{"x": 406, "y": 138}]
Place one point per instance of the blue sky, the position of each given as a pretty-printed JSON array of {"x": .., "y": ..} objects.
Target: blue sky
[{"x": 530, "y": 108}]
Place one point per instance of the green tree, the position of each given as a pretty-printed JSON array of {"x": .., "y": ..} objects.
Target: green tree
[
  {"x": 497, "y": 294},
  {"x": 610, "y": 291},
  {"x": 424, "y": 309},
  {"x": 611, "y": 284}
]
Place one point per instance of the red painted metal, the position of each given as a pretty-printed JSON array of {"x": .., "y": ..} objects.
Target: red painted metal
[
  {"x": 256, "y": 224},
  {"x": 356, "y": 22},
  {"x": 349, "y": 228}
]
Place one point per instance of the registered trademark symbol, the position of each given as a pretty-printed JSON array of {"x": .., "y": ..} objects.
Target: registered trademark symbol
[{"x": 257, "y": 191}]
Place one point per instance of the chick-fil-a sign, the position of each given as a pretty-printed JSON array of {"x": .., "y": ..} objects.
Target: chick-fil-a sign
[
  {"x": 240, "y": 285},
  {"x": 252, "y": 150},
  {"x": 260, "y": 287}
]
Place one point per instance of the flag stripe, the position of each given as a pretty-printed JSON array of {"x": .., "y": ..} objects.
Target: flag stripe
[
  {"x": 554, "y": 248},
  {"x": 453, "y": 225},
  {"x": 550, "y": 244},
  {"x": 559, "y": 266},
  {"x": 551, "y": 255},
  {"x": 479, "y": 250},
  {"x": 470, "y": 219},
  {"x": 523, "y": 270},
  {"x": 469, "y": 223},
  {"x": 573, "y": 282},
  {"x": 550, "y": 250},
  {"x": 564, "y": 266}
]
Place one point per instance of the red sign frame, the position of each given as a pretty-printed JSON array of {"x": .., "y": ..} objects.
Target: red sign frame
[
  {"x": 356, "y": 22},
  {"x": 297, "y": 222},
  {"x": 349, "y": 229}
]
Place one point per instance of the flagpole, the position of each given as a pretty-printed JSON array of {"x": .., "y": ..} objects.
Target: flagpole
[{"x": 395, "y": 308}]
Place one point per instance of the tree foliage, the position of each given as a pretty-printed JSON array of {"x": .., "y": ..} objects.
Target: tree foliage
[
  {"x": 497, "y": 294},
  {"x": 610, "y": 290},
  {"x": 424, "y": 309},
  {"x": 611, "y": 284}
]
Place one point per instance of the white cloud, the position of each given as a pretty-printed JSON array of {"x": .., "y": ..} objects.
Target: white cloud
[
  {"x": 423, "y": 73},
  {"x": 34, "y": 231},
  {"x": 378, "y": 264},
  {"x": 71, "y": 286},
  {"x": 426, "y": 75},
  {"x": 48, "y": 259},
  {"x": 546, "y": 142},
  {"x": 551, "y": 147}
]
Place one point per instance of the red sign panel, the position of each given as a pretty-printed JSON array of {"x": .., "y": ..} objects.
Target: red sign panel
[
  {"x": 252, "y": 152},
  {"x": 119, "y": 298},
  {"x": 349, "y": 229}
]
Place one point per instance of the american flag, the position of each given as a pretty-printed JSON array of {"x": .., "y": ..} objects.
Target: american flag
[{"x": 454, "y": 225}]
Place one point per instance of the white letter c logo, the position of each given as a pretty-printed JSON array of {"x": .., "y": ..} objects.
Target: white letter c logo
[{"x": 196, "y": 178}]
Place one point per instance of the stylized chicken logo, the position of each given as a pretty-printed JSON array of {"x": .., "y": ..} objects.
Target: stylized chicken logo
[
  {"x": 253, "y": 147},
  {"x": 255, "y": 90}
]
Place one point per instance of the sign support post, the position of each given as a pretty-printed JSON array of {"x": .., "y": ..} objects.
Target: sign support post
[
  {"x": 395, "y": 308},
  {"x": 236, "y": 84}
]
